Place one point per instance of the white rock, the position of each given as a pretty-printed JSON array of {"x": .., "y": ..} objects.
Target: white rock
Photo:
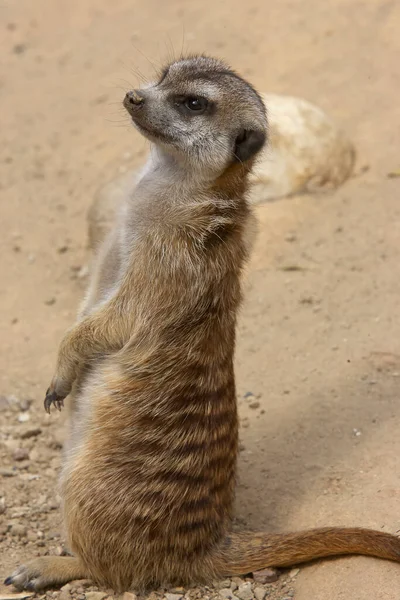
[{"x": 306, "y": 151}]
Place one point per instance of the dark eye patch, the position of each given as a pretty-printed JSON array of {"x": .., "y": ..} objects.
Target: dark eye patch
[{"x": 192, "y": 105}]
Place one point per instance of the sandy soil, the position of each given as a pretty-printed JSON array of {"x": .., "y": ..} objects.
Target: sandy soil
[{"x": 319, "y": 345}]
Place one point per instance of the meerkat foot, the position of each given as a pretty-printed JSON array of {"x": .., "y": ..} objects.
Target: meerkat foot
[
  {"x": 53, "y": 398},
  {"x": 45, "y": 572}
]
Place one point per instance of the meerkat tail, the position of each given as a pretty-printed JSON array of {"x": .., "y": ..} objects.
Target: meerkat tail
[{"x": 248, "y": 552}]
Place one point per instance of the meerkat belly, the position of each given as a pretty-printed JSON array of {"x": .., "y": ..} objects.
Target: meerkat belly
[{"x": 149, "y": 475}]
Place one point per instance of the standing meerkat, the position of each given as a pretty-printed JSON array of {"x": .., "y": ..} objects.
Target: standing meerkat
[{"x": 148, "y": 479}]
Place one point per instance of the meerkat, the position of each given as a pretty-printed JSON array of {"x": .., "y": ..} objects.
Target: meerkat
[{"x": 149, "y": 473}]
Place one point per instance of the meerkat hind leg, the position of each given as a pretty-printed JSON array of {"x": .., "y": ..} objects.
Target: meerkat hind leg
[{"x": 47, "y": 571}]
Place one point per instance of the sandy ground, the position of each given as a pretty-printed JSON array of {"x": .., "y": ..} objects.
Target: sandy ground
[{"x": 319, "y": 345}]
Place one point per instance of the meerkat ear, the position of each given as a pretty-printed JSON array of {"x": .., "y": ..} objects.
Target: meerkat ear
[{"x": 248, "y": 143}]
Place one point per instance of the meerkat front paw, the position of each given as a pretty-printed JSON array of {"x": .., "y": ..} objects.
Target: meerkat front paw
[
  {"x": 45, "y": 572},
  {"x": 28, "y": 577},
  {"x": 53, "y": 398}
]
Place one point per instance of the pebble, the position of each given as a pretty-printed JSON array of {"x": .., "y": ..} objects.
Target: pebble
[
  {"x": 7, "y": 472},
  {"x": 18, "y": 530},
  {"x": 173, "y": 596},
  {"x": 31, "y": 536},
  {"x": 80, "y": 583},
  {"x": 21, "y": 454},
  {"x": 255, "y": 404},
  {"x": 2, "y": 505},
  {"x": 226, "y": 593},
  {"x": 53, "y": 504},
  {"x": 237, "y": 581},
  {"x": 4, "y": 404},
  {"x": 266, "y": 575},
  {"x": 64, "y": 595},
  {"x": 29, "y": 433},
  {"x": 226, "y": 583},
  {"x": 25, "y": 404},
  {"x": 260, "y": 592},
  {"x": 293, "y": 573},
  {"x": 19, "y": 48},
  {"x": 23, "y": 417},
  {"x": 95, "y": 595},
  {"x": 129, "y": 596},
  {"x": 244, "y": 591}
]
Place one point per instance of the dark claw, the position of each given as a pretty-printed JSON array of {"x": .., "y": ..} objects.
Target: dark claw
[
  {"x": 8, "y": 581},
  {"x": 53, "y": 398}
]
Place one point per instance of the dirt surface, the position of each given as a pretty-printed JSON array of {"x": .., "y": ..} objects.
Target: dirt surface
[{"x": 319, "y": 337}]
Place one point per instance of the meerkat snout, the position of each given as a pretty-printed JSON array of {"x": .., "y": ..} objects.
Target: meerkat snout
[{"x": 133, "y": 100}]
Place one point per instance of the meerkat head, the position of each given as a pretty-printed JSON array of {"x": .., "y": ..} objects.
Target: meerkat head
[{"x": 203, "y": 113}]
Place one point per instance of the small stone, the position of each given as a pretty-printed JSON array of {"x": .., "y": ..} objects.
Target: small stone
[
  {"x": 64, "y": 595},
  {"x": 19, "y": 48},
  {"x": 266, "y": 575},
  {"x": 25, "y": 404},
  {"x": 29, "y": 433},
  {"x": 95, "y": 595},
  {"x": 2, "y": 505},
  {"x": 62, "y": 249},
  {"x": 226, "y": 583},
  {"x": 244, "y": 591},
  {"x": 260, "y": 592},
  {"x": 53, "y": 504},
  {"x": 226, "y": 593},
  {"x": 21, "y": 454},
  {"x": 53, "y": 535},
  {"x": 293, "y": 573},
  {"x": 173, "y": 596},
  {"x": 11, "y": 444},
  {"x": 4, "y": 404},
  {"x": 18, "y": 530},
  {"x": 255, "y": 404},
  {"x": 66, "y": 588},
  {"x": 237, "y": 580},
  {"x": 50, "y": 301},
  {"x": 31, "y": 536},
  {"x": 129, "y": 596},
  {"x": 7, "y": 472},
  {"x": 23, "y": 417}
]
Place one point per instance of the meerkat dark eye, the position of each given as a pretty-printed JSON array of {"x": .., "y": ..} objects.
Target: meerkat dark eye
[{"x": 196, "y": 104}]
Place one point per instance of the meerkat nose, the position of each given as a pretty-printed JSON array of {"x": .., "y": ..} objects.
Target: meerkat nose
[{"x": 132, "y": 98}]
